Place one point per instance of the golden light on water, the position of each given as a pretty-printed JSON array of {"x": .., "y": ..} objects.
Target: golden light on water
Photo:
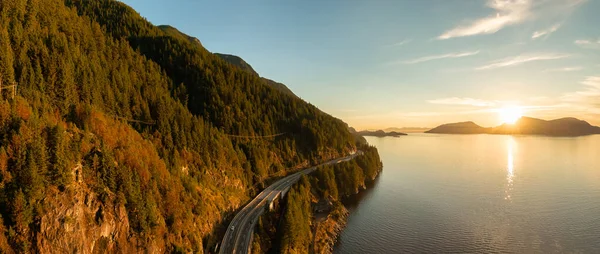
[
  {"x": 510, "y": 166},
  {"x": 510, "y": 114}
]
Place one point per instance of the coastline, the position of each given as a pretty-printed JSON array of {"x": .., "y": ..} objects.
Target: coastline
[
  {"x": 327, "y": 232},
  {"x": 312, "y": 215}
]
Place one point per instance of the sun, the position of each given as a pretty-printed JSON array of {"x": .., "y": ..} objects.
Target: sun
[{"x": 510, "y": 114}]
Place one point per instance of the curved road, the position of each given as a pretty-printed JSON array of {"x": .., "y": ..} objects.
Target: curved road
[{"x": 238, "y": 237}]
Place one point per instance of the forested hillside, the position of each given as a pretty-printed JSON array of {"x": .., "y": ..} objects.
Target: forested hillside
[{"x": 123, "y": 136}]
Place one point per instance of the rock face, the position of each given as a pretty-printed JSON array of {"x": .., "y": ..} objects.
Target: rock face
[
  {"x": 524, "y": 126},
  {"x": 78, "y": 220},
  {"x": 326, "y": 232}
]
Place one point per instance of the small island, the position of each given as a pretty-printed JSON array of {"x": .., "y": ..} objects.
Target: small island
[
  {"x": 563, "y": 127},
  {"x": 381, "y": 133}
]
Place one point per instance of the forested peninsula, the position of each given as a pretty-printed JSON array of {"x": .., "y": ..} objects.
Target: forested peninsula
[{"x": 311, "y": 216}]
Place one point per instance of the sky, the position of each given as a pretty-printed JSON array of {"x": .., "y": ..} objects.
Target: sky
[{"x": 378, "y": 64}]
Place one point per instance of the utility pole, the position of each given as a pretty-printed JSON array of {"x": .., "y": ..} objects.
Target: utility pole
[{"x": 14, "y": 89}]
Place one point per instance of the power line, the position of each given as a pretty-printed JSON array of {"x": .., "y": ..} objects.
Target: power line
[
  {"x": 256, "y": 136},
  {"x": 135, "y": 121}
]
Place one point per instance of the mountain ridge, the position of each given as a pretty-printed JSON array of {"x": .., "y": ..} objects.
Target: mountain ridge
[
  {"x": 566, "y": 126},
  {"x": 242, "y": 64}
]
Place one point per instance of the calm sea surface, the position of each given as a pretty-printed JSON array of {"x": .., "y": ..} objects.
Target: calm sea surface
[{"x": 479, "y": 194}]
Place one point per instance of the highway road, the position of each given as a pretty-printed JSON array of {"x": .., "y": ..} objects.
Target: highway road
[{"x": 238, "y": 237}]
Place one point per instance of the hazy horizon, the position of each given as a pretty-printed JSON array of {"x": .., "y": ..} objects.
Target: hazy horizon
[
  {"x": 411, "y": 63},
  {"x": 392, "y": 128}
]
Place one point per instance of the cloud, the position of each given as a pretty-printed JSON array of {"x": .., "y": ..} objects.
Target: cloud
[
  {"x": 592, "y": 89},
  {"x": 565, "y": 69},
  {"x": 583, "y": 103},
  {"x": 511, "y": 12},
  {"x": 588, "y": 99},
  {"x": 588, "y": 44},
  {"x": 437, "y": 57},
  {"x": 463, "y": 101},
  {"x": 545, "y": 32},
  {"x": 517, "y": 60},
  {"x": 507, "y": 13},
  {"x": 400, "y": 43}
]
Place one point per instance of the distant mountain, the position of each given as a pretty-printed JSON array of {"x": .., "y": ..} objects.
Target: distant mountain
[
  {"x": 407, "y": 129},
  {"x": 240, "y": 63},
  {"x": 559, "y": 127},
  {"x": 381, "y": 133},
  {"x": 524, "y": 126},
  {"x": 459, "y": 128}
]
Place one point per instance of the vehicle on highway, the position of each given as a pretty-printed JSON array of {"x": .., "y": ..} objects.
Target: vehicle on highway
[{"x": 232, "y": 228}]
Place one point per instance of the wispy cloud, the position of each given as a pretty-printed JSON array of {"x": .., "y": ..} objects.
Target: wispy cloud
[
  {"x": 587, "y": 99},
  {"x": 565, "y": 69},
  {"x": 592, "y": 89},
  {"x": 506, "y": 13},
  {"x": 546, "y": 32},
  {"x": 517, "y": 60},
  {"x": 590, "y": 44},
  {"x": 437, "y": 57},
  {"x": 510, "y": 12},
  {"x": 400, "y": 43},
  {"x": 463, "y": 101}
]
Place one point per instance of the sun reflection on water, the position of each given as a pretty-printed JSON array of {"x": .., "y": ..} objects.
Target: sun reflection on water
[{"x": 510, "y": 166}]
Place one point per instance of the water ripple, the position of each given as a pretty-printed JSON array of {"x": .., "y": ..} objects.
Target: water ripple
[{"x": 480, "y": 194}]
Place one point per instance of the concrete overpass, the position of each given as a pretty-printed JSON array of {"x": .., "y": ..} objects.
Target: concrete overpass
[{"x": 238, "y": 237}]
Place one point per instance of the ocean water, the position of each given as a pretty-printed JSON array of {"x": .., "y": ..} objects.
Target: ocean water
[{"x": 479, "y": 194}]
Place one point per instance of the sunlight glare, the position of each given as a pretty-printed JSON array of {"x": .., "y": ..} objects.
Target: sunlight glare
[{"x": 511, "y": 114}]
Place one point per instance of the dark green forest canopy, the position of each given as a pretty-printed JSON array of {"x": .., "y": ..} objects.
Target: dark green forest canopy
[
  {"x": 210, "y": 86},
  {"x": 152, "y": 119}
]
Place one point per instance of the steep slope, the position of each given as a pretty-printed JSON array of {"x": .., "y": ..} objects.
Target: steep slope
[
  {"x": 124, "y": 137},
  {"x": 212, "y": 86}
]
